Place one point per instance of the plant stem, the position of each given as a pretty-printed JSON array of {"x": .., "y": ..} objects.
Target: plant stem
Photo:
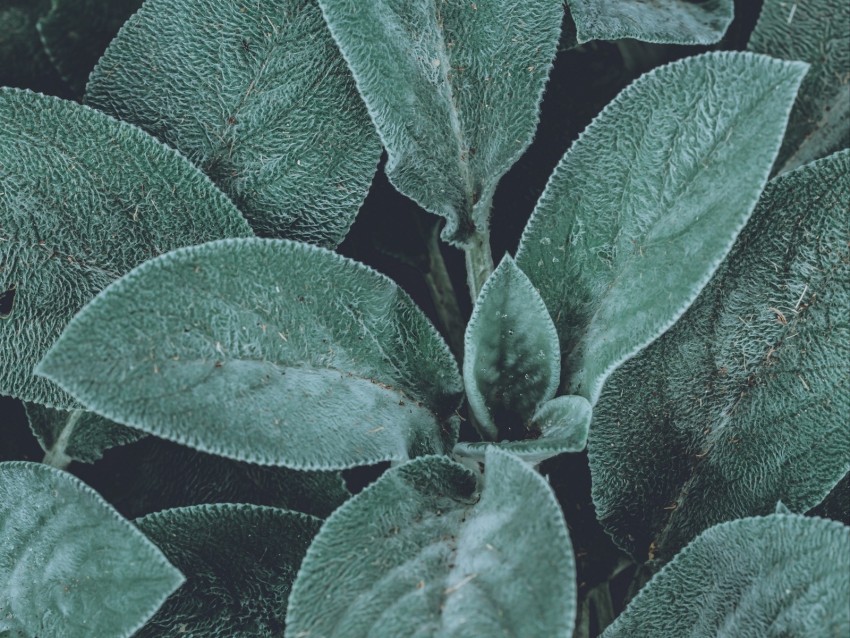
[
  {"x": 479, "y": 262},
  {"x": 56, "y": 456},
  {"x": 442, "y": 291}
]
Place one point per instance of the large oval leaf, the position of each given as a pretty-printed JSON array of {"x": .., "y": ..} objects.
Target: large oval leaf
[
  {"x": 744, "y": 401},
  {"x": 453, "y": 88},
  {"x": 239, "y": 562},
  {"x": 267, "y": 351},
  {"x": 84, "y": 198},
  {"x": 258, "y": 96},
  {"x": 662, "y": 21},
  {"x": 814, "y": 31},
  {"x": 647, "y": 202},
  {"x": 420, "y": 553},
  {"x": 512, "y": 361},
  {"x": 780, "y": 575},
  {"x": 70, "y": 566}
]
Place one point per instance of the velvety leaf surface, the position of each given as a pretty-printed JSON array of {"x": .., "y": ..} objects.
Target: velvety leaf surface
[
  {"x": 84, "y": 198},
  {"x": 75, "y": 34},
  {"x": 744, "y": 401},
  {"x": 421, "y": 553},
  {"x": 266, "y": 351},
  {"x": 778, "y": 575},
  {"x": 512, "y": 361},
  {"x": 77, "y": 435},
  {"x": 23, "y": 61},
  {"x": 453, "y": 89},
  {"x": 815, "y": 31},
  {"x": 239, "y": 562},
  {"x": 155, "y": 474},
  {"x": 560, "y": 425},
  {"x": 259, "y": 97},
  {"x": 661, "y": 21},
  {"x": 70, "y": 566},
  {"x": 648, "y": 201}
]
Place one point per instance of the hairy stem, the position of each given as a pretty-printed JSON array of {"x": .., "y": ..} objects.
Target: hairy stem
[
  {"x": 479, "y": 262},
  {"x": 442, "y": 291}
]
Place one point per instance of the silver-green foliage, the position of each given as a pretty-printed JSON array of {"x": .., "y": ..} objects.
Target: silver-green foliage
[
  {"x": 745, "y": 400},
  {"x": 772, "y": 576},
  {"x": 239, "y": 562},
  {"x": 422, "y": 552},
  {"x": 647, "y": 202},
  {"x": 662, "y": 21},
  {"x": 815, "y": 31},
  {"x": 453, "y": 89},
  {"x": 70, "y": 566},
  {"x": 78, "y": 435},
  {"x": 83, "y": 199},
  {"x": 267, "y": 351},
  {"x": 269, "y": 110}
]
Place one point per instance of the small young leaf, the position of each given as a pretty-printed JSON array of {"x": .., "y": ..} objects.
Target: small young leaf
[
  {"x": 648, "y": 201},
  {"x": 453, "y": 89},
  {"x": 77, "y": 435},
  {"x": 239, "y": 562},
  {"x": 70, "y": 566},
  {"x": 814, "y": 31},
  {"x": 512, "y": 361},
  {"x": 561, "y": 425},
  {"x": 744, "y": 401},
  {"x": 266, "y": 351},
  {"x": 75, "y": 34},
  {"x": 155, "y": 474},
  {"x": 258, "y": 96},
  {"x": 660, "y": 21},
  {"x": 84, "y": 199},
  {"x": 419, "y": 553},
  {"x": 778, "y": 575}
]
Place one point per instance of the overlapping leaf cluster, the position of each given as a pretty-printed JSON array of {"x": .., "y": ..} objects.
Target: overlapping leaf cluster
[{"x": 173, "y": 313}]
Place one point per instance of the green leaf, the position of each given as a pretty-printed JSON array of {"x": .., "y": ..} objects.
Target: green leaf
[
  {"x": 779, "y": 575},
  {"x": 75, "y": 34},
  {"x": 744, "y": 401},
  {"x": 453, "y": 89},
  {"x": 258, "y": 96},
  {"x": 660, "y": 21},
  {"x": 266, "y": 351},
  {"x": 560, "y": 425},
  {"x": 23, "y": 61},
  {"x": 84, "y": 198},
  {"x": 814, "y": 31},
  {"x": 70, "y": 566},
  {"x": 511, "y": 356},
  {"x": 155, "y": 474},
  {"x": 239, "y": 562},
  {"x": 78, "y": 435},
  {"x": 421, "y": 553},
  {"x": 648, "y": 201}
]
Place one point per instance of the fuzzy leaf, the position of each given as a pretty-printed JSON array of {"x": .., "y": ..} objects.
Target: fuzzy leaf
[
  {"x": 814, "y": 31},
  {"x": 648, "y": 201},
  {"x": 453, "y": 89},
  {"x": 780, "y": 575},
  {"x": 239, "y": 562},
  {"x": 512, "y": 361},
  {"x": 70, "y": 566},
  {"x": 744, "y": 401},
  {"x": 660, "y": 21},
  {"x": 155, "y": 474},
  {"x": 75, "y": 34},
  {"x": 258, "y": 96},
  {"x": 560, "y": 425},
  {"x": 420, "y": 553},
  {"x": 266, "y": 351},
  {"x": 83, "y": 199},
  {"x": 77, "y": 435}
]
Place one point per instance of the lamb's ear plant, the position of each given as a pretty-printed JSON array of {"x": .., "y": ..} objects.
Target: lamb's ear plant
[{"x": 188, "y": 339}]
